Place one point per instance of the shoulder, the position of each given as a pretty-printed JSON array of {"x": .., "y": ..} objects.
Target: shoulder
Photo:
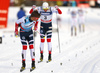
[
  {"x": 39, "y": 8},
  {"x": 52, "y": 8}
]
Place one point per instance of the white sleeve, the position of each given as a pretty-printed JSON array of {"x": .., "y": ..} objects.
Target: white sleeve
[
  {"x": 39, "y": 9},
  {"x": 54, "y": 10},
  {"x": 21, "y": 20}
]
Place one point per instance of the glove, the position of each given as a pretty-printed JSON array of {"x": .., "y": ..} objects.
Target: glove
[
  {"x": 35, "y": 28},
  {"x": 35, "y": 9},
  {"x": 16, "y": 33},
  {"x": 16, "y": 29},
  {"x": 56, "y": 7},
  {"x": 34, "y": 6}
]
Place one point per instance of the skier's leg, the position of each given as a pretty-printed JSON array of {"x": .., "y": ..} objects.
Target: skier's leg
[
  {"x": 42, "y": 36},
  {"x": 31, "y": 47},
  {"x": 75, "y": 30},
  {"x": 75, "y": 26},
  {"x": 72, "y": 26},
  {"x": 79, "y": 22},
  {"x": 24, "y": 48},
  {"x": 49, "y": 48},
  {"x": 83, "y": 27},
  {"x": 49, "y": 35},
  {"x": 83, "y": 23},
  {"x": 24, "y": 55},
  {"x": 32, "y": 53},
  {"x": 41, "y": 48},
  {"x": 71, "y": 30},
  {"x": 79, "y": 27}
]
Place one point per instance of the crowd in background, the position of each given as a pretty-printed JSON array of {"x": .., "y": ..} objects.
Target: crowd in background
[{"x": 52, "y": 3}]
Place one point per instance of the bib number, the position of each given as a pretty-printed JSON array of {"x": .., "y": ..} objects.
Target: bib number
[{"x": 45, "y": 17}]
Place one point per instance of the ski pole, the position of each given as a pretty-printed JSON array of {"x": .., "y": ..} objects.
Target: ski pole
[
  {"x": 37, "y": 32},
  {"x": 58, "y": 35}
]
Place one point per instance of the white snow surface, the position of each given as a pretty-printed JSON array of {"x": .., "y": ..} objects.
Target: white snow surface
[{"x": 77, "y": 54}]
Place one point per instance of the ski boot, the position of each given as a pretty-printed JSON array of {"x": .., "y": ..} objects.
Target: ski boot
[
  {"x": 83, "y": 28},
  {"x": 41, "y": 57},
  {"x": 33, "y": 66},
  {"x": 49, "y": 58},
  {"x": 23, "y": 66},
  {"x": 75, "y": 31},
  {"x": 71, "y": 31}
]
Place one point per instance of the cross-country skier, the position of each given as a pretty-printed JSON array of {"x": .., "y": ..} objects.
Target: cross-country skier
[
  {"x": 81, "y": 20},
  {"x": 46, "y": 26},
  {"x": 73, "y": 21},
  {"x": 26, "y": 36}
]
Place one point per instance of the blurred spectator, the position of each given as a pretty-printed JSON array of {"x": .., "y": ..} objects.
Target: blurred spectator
[
  {"x": 69, "y": 3},
  {"x": 65, "y": 3},
  {"x": 59, "y": 3},
  {"x": 98, "y": 1},
  {"x": 73, "y": 3},
  {"x": 21, "y": 12},
  {"x": 11, "y": 2}
]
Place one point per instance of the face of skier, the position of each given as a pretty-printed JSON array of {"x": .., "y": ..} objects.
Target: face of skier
[
  {"x": 34, "y": 18},
  {"x": 45, "y": 9},
  {"x": 45, "y": 6}
]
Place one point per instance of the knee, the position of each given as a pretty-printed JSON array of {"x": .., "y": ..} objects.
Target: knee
[
  {"x": 49, "y": 40},
  {"x": 31, "y": 46},
  {"x": 42, "y": 40},
  {"x": 24, "y": 47}
]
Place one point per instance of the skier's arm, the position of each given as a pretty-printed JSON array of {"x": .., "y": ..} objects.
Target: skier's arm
[
  {"x": 59, "y": 11},
  {"x": 33, "y": 7},
  {"x": 17, "y": 24},
  {"x": 16, "y": 28},
  {"x": 36, "y": 25},
  {"x": 31, "y": 11}
]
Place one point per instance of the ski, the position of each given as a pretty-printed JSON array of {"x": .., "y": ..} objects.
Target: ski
[
  {"x": 48, "y": 61},
  {"x": 32, "y": 69},
  {"x": 22, "y": 69},
  {"x": 40, "y": 61}
]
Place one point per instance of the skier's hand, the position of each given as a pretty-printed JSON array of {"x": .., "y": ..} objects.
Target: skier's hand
[
  {"x": 34, "y": 6},
  {"x": 36, "y": 9},
  {"x": 35, "y": 28},
  {"x": 16, "y": 33},
  {"x": 56, "y": 7}
]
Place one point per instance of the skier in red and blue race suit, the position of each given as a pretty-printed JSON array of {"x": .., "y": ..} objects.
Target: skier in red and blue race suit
[
  {"x": 26, "y": 35},
  {"x": 46, "y": 26}
]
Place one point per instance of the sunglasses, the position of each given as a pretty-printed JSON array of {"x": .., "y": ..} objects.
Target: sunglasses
[{"x": 45, "y": 8}]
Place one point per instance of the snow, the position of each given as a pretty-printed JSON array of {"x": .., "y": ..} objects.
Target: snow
[{"x": 79, "y": 54}]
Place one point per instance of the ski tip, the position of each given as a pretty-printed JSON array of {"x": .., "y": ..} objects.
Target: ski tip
[
  {"x": 32, "y": 69},
  {"x": 47, "y": 61},
  {"x": 22, "y": 70},
  {"x": 39, "y": 61}
]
